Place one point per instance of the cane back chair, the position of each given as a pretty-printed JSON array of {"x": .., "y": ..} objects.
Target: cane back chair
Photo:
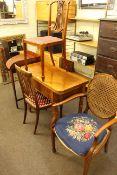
[
  {"x": 82, "y": 133},
  {"x": 31, "y": 95}
]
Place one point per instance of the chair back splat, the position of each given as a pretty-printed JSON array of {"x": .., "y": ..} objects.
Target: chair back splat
[
  {"x": 60, "y": 24},
  {"x": 25, "y": 79}
]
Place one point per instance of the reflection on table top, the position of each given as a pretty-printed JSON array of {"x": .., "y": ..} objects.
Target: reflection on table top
[{"x": 56, "y": 79}]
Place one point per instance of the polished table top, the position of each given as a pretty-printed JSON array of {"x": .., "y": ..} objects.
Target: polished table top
[{"x": 56, "y": 79}]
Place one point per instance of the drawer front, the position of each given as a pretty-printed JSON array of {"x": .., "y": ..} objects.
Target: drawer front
[
  {"x": 108, "y": 29},
  {"x": 106, "y": 65},
  {"x": 107, "y": 48}
]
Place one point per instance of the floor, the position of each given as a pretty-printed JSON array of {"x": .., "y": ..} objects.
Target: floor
[{"x": 22, "y": 153}]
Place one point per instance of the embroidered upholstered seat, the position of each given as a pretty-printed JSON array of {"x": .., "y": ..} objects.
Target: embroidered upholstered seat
[
  {"x": 77, "y": 132},
  {"x": 82, "y": 133},
  {"x": 31, "y": 95}
]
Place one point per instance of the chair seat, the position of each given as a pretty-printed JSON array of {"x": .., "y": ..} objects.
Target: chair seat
[
  {"x": 43, "y": 101},
  {"x": 77, "y": 132},
  {"x": 45, "y": 40}
]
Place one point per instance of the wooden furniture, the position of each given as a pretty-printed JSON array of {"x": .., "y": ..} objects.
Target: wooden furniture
[
  {"x": 107, "y": 47},
  {"x": 19, "y": 60},
  {"x": 80, "y": 132},
  {"x": 58, "y": 84},
  {"x": 49, "y": 41},
  {"x": 3, "y": 69},
  {"x": 31, "y": 95}
]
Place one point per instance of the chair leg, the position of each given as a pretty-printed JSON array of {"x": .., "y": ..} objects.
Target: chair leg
[
  {"x": 52, "y": 59},
  {"x": 25, "y": 112},
  {"x": 14, "y": 90},
  {"x": 37, "y": 120},
  {"x": 107, "y": 143},
  {"x": 53, "y": 141},
  {"x": 64, "y": 56},
  {"x": 86, "y": 165}
]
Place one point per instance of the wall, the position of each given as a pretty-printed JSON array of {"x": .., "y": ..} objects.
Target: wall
[{"x": 29, "y": 29}]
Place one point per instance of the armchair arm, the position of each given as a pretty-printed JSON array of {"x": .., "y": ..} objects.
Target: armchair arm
[
  {"x": 105, "y": 126},
  {"x": 69, "y": 99}
]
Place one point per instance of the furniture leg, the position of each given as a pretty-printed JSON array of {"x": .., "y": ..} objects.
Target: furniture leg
[
  {"x": 13, "y": 85},
  {"x": 86, "y": 165},
  {"x": 53, "y": 121},
  {"x": 42, "y": 61},
  {"x": 64, "y": 55},
  {"x": 25, "y": 55},
  {"x": 51, "y": 55},
  {"x": 37, "y": 120},
  {"x": 25, "y": 112}
]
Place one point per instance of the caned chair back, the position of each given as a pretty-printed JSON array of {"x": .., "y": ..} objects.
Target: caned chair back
[
  {"x": 25, "y": 79},
  {"x": 102, "y": 95},
  {"x": 60, "y": 24}
]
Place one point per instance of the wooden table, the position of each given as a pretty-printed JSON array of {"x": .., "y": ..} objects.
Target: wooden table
[{"x": 58, "y": 83}]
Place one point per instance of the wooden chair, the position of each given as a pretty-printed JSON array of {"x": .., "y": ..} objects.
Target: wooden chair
[
  {"x": 49, "y": 41},
  {"x": 81, "y": 133},
  {"x": 19, "y": 60},
  {"x": 60, "y": 25},
  {"x": 31, "y": 95}
]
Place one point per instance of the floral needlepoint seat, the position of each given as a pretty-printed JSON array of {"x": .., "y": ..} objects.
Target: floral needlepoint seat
[{"x": 77, "y": 132}]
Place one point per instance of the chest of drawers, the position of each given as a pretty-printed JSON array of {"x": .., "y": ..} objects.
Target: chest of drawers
[{"x": 107, "y": 47}]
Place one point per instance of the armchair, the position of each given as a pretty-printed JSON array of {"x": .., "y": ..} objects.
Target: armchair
[{"x": 82, "y": 133}]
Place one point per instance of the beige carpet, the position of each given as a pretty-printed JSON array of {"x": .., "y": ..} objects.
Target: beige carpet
[{"x": 22, "y": 153}]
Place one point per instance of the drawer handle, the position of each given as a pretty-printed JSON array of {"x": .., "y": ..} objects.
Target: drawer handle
[{"x": 113, "y": 49}]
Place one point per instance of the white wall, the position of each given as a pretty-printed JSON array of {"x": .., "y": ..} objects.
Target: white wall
[{"x": 28, "y": 29}]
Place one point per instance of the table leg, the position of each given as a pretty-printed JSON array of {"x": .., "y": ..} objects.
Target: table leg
[
  {"x": 25, "y": 55},
  {"x": 81, "y": 100},
  {"x": 53, "y": 121}
]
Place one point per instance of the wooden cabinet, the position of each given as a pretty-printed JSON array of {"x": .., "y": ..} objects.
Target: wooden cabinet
[{"x": 107, "y": 47}]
